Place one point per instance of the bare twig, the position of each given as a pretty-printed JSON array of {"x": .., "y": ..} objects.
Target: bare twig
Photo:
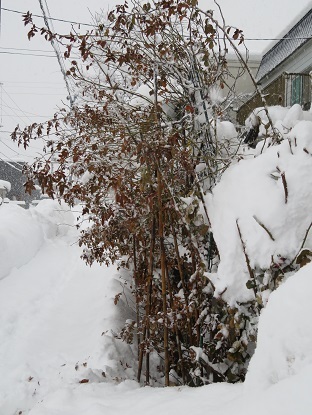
[
  {"x": 250, "y": 271},
  {"x": 264, "y": 227},
  {"x": 285, "y": 186},
  {"x": 302, "y": 244}
]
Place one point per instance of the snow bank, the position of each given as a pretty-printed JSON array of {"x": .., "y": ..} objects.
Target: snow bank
[
  {"x": 283, "y": 118},
  {"x": 22, "y": 232},
  {"x": 278, "y": 380},
  {"x": 20, "y": 237},
  {"x": 56, "y": 314},
  {"x": 284, "y": 346},
  {"x": 268, "y": 200}
]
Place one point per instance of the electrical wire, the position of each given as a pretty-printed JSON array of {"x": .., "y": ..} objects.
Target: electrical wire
[
  {"x": 50, "y": 18},
  {"x": 93, "y": 25},
  {"x": 27, "y": 54},
  {"x": 33, "y": 93},
  {"x": 26, "y": 112},
  {"x": 8, "y": 95},
  {"x": 29, "y": 50},
  {"x": 23, "y": 116},
  {"x": 33, "y": 82},
  {"x": 16, "y": 152},
  {"x": 10, "y": 140},
  {"x": 56, "y": 47},
  {"x": 14, "y": 116}
]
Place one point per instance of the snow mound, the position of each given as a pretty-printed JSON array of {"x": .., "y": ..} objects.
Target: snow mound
[
  {"x": 284, "y": 347},
  {"x": 22, "y": 232},
  {"x": 57, "y": 315},
  {"x": 263, "y": 203},
  {"x": 283, "y": 118}
]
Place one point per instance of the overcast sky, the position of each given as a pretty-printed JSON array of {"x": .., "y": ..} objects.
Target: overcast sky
[{"x": 33, "y": 87}]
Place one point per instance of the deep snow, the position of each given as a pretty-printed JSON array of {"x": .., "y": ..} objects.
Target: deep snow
[
  {"x": 58, "y": 354},
  {"x": 251, "y": 192}
]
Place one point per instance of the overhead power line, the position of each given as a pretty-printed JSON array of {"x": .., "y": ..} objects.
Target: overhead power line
[
  {"x": 94, "y": 25},
  {"x": 34, "y": 93},
  {"x": 27, "y": 54},
  {"x": 55, "y": 45},
  {"x": 28, "y": 50},
  {"x": 49, "y": 18},
  {"x": 12, "y": 100},
  {"x": 32, "y": 82}
]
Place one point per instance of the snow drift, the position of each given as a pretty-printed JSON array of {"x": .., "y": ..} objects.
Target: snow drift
[
  {"x": 56, "y": 314},
  {"x": 58, "y": 354},
  {"x": 284, "y": 347},
  {"x": 268, "y": 196}
]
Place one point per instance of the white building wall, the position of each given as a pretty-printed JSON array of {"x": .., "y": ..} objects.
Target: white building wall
[{"x": 244, "y": 84}]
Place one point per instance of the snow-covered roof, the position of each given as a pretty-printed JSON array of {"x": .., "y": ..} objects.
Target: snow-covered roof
[{"x": 297, "y": 36}]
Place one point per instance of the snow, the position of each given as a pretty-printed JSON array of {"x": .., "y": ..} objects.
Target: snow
[
  {"x": 56, "y": 313},
  {"x": 58, "y": 351},
  {"x": 252, "y": 193},
  {"x": 5, "y": 185},
  {"x": 283, "y": 118},
  {"x": 284, "y": 348}
]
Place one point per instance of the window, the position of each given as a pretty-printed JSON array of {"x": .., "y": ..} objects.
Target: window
[{"x": 296, "y": 90}]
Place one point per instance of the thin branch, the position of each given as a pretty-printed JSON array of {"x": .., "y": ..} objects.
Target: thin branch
[{"x": 264, "y": 227}]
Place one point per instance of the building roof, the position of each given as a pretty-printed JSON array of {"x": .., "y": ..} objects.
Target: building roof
[{"x": 297, "y": 36}]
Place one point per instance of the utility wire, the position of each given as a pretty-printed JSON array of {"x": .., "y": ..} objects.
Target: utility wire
[
  {"x": 49, "y": 18},
  {"x": 56, "y": 48},
  {"x": 17, "y": 106},
  {"x": 32, "y": 82},
  {"x": 26, "y": 112},
  {"x": 16, "y": 152},
  {"x": 24, "y": 116},
  {"x": 34, "y": 93},
  {"x": 10, "y": 140},
  {"x": 14, "y": 116},
  {"x": 94, "y": 25},
  {"x": 28, "y": 50},
  {"x": 27, "y": 54}
]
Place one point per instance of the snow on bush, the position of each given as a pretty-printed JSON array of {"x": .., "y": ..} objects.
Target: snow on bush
[{"x": 262, "y": 205}]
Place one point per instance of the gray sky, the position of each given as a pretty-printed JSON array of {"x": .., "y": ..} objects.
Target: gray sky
[{"x": 33, "y": 87}]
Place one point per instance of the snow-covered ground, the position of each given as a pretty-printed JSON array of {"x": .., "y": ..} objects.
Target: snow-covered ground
[
  {"x": 58, "y": 354},
  {"x": 56, "y": 314}
]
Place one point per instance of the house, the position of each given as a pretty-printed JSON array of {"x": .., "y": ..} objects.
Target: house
[
  {"x": 284, "y": 72},
  {"x": 239, "y": 81}
]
